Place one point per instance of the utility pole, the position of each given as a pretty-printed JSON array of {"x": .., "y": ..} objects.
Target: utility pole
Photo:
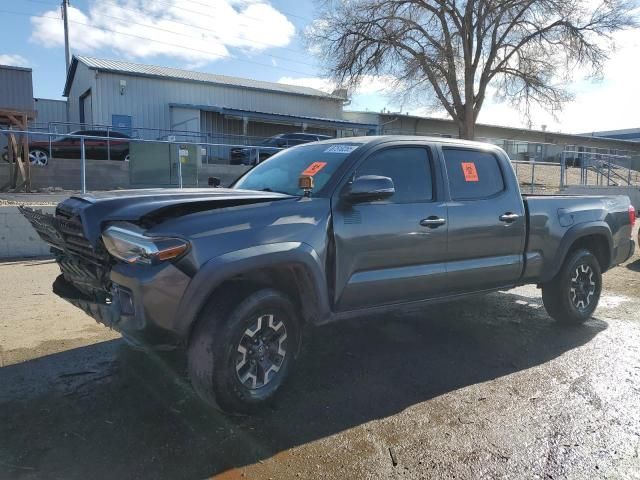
[
  {"x": 65, "y": 18},
  {"x": 67, "y": 48}
]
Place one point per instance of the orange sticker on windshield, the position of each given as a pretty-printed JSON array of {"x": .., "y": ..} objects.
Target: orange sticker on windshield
[
  {"x": 470, "y": 172},
  {"x": 314, "y": 168}
]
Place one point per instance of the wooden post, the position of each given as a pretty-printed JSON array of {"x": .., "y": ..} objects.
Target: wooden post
[{"x": 17, "y": 148}]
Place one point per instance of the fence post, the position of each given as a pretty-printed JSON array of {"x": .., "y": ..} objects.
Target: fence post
[
  {"x": 563, "y": 162},
  {"x": 584, "y": 171},
  {"x": 83, "y": 166},
  {"x": 533, "y": 173},
  {"x": 179, "y": 169}
]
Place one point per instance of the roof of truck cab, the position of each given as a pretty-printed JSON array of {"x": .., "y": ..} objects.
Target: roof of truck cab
[{"x": 371, "y": 139}]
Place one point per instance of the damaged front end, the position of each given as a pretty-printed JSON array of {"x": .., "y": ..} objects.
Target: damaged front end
[
  {"x": 84, "y": 279},
  {"x": 121, "y": 267}
]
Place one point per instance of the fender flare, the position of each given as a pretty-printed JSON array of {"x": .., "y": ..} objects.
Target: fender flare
[
  {"x": 219, "y": 269},
  {"x": 571, "y": 236}
]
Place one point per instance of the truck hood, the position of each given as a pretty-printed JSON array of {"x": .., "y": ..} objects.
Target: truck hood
[{"x": 150, "y": 206}]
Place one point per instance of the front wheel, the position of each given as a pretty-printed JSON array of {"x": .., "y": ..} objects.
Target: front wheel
[
  {"x": 38, "y": 157},
  {"x": 573, "y": 294},
  {"x": 242, "y": 350}
]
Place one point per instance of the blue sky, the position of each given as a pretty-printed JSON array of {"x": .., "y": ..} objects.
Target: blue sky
[
  {"x": 262, "y": 40},
  {"x": 48, "y": 62}
]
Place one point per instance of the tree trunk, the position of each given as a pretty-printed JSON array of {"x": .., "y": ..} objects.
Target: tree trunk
[{"x": 467, "y": 125}]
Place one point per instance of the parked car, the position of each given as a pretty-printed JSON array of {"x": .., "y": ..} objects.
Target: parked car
[
  {"x": 271, "y": 146},
  {"x": 319, "y": 233},
  {"x": 65, "y": 146}
]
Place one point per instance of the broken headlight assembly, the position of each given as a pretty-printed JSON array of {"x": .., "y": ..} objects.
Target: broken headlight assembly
[{"x": 130, "y": 244}]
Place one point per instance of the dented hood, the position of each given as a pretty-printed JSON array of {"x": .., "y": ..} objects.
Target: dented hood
[{"x": 94, "y": 209}]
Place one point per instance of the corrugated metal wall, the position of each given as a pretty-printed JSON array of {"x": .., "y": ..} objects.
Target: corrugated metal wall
[
  {"x": 50, "y": 111},
  {"x": 16, "y": 88},
  {"x": 398, "y": 124},
  {"x": 217, "y": 128},
  {"x": 147, "y": 99},
  {"x": 84, "y": 80}
]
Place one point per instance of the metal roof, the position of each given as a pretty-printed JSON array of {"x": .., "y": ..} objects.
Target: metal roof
[{"x": 138, "y": 69}]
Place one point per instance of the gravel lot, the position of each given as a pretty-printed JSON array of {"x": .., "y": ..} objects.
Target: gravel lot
[{"x": 486, "y": 388}]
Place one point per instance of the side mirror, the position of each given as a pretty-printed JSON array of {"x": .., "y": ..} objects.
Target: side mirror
[
  {"x": 368, "y": 188},
  {"x": 213, "y": 181}
]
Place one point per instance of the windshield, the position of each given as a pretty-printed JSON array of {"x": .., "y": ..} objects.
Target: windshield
[{"x": 281, "y": 172}]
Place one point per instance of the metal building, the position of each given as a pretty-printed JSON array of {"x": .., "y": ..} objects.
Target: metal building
[
  {"x": 16, "y": 88},
  {"x": 519, "y": 143},
  {"x": 632, "y": 134},
  {"x": 184, "y": 104},
  {"x": 52, "y": 114}
]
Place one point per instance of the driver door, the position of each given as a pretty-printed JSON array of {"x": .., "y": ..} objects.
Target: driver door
[{"x": 394, "y": 250}]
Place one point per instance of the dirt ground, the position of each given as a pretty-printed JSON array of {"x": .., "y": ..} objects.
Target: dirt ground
[{"x": 485, "y": 388}]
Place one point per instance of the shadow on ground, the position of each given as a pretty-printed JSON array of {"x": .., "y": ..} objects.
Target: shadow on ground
[
  {"x": 105, "y": 411},
  {"x": 635, "y": 266}
]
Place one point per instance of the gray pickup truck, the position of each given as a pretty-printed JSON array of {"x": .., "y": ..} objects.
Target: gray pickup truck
[{"x": 323, "y": 232}]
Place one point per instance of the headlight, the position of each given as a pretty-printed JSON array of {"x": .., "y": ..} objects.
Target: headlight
[{"x": 130, "y": 245}]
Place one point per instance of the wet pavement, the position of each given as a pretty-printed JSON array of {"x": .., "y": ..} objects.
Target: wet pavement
[{"x": 485, "y": 388}]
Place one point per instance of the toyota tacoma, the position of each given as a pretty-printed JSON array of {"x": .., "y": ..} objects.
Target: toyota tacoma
[{"x": 318, "y": 233}]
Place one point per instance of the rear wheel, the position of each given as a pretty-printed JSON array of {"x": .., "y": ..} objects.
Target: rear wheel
[
  {"x": 573, "y": 294},
  {"x": 242, "y": 350}
]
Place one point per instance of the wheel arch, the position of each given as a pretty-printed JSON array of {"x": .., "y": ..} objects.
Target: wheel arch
[
  {"x": 293, "y": 268},
  {"x": 593, "y": 236}
]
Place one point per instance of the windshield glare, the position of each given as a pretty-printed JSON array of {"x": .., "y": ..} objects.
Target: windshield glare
[
  {"x": 273, "y": 141},
  {"x": 281, "y": 172}
]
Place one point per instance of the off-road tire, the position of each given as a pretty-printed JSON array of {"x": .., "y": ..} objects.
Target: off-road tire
[
  {"x": 213, "y": 348},
  {"x": 558, "y": 297}
]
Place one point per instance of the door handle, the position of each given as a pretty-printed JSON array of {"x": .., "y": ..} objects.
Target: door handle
[
  {"x": 509, "y": 217},
  {"x": 432, "y": 222}
]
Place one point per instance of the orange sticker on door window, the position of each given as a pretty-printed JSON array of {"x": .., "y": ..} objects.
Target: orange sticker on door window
[
  {"x": 470, "y": 172},
  {"x": 314, "y": 168}
]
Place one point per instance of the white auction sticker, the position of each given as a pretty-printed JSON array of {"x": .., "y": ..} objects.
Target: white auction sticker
[{"x": 341, "y": 148}]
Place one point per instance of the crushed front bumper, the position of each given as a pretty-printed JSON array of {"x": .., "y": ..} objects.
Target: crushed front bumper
[
  {"x": 118, "y": 312},
  {"x": 141, "y": 302}
]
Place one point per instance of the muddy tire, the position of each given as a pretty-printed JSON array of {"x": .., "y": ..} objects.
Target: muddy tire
[
  {"x": 573, "y": 294},
  {"x": 242, "y": 349}
]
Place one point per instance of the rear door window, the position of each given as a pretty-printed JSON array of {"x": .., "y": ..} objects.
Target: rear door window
[{"x": 473, "y": 174}]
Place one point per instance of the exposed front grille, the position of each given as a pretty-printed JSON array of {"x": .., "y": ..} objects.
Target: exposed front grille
[
  {"x": 70, "y": 228},
  {"x": 83, "y": 265}
]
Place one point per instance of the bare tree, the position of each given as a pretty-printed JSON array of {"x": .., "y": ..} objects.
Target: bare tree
[{"x": 452, "y": 51}]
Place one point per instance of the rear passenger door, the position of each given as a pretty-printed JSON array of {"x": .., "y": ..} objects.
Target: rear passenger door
[
  {"x": 487, "y": 224},
  {"x": 392, "y": 251}
]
